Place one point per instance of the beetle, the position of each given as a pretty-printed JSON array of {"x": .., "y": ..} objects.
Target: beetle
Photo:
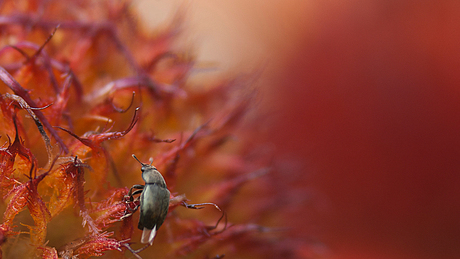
[{"x": 153, "y": 201}]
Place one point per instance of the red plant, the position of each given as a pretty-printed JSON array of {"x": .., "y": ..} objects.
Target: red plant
[{"x": 78, "y": 68}]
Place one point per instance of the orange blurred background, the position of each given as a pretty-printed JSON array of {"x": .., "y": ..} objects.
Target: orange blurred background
[{"x": 365, "y": 95}]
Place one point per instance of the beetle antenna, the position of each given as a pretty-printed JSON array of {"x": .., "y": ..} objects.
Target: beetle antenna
[{"x": 139, "y": 161}]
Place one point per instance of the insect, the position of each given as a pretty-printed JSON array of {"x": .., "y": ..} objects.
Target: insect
[{"x": 153, "y": 201}]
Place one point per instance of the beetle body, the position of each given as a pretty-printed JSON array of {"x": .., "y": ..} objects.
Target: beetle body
[{"x": 154, "y": 203}]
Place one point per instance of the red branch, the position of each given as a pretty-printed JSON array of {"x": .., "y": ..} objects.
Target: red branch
[{"x": 20, "y": 91}]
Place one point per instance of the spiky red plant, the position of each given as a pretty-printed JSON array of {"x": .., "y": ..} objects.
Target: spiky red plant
[{"x": 84, "y": 87}]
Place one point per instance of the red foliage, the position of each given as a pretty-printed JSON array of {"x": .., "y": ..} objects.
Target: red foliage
[{"x": 67, "y": 67}]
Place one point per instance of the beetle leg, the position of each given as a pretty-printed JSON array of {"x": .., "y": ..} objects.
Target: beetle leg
[
  {"x": 136, "y": 186},
  {"x": 192, "y": 206},
  {"x": 137, "y": 206},
  {"x": 125, "y": 216},
  {"x": 200, "y": 206},
  {"x": 130, "y": 199},
  {"x": 217, "y": 223},
  {"x": 135, "y": 251},
  {"x": 135, "y": 193},
  {"x": 131, "y": 193},
  {"x": 129, "y": 209}
]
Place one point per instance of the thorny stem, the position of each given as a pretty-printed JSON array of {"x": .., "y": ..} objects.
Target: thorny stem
[
  {"x": 40, "y": 177},
  {"x": 124, "y": 110},
  {"x": 29, "y": 109},
  {"x": 20, "y": 91},
  {"x": 92, "y": 28},
  {"x": 174, "y": 151},
  {"x": 40, "y": 51},
  {"x": 48, "y": 62},
  {"x": 106, "y": 135},
  {"x": 46, "y": 41},
  {"x": 79, "y": 193}
]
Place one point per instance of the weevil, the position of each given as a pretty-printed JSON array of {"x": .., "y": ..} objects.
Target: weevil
[{"x": 153, "y": 201}]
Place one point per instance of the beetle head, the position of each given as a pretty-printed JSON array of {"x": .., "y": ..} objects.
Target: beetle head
[
  {"x": 150, "y": 174},
  {"x": 145, "y": 167}
]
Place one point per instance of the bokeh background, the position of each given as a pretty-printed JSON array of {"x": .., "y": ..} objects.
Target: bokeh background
[{"x": 364, "y": 105}]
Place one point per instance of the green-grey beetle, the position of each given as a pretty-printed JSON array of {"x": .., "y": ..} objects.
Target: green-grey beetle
[{"x": 154, "y": 202}]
